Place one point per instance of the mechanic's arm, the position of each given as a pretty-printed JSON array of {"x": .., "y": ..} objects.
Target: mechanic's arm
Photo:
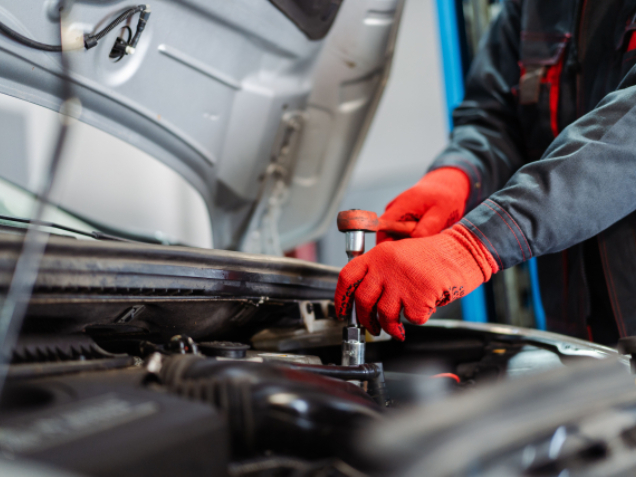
[
  {"x": 486, "y": 145},
  {"x": 583, "y": 184}
]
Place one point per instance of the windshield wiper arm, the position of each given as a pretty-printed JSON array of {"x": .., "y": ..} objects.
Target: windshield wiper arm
[{"x": 43, "y": 223}]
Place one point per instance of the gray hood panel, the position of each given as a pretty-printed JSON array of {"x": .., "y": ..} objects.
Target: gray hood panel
[{"x": 263, "y": 122}]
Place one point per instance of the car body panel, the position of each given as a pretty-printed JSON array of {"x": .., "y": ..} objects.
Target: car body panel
[{"x": 264, "y": 122}]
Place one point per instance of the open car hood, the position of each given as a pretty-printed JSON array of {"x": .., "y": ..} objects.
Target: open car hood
[{"x": 261, "y": 105}]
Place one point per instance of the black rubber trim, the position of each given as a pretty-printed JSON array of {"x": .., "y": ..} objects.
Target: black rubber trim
[
  {"x": 205, "y": 294},
  {"x": 313, "y": 17}
]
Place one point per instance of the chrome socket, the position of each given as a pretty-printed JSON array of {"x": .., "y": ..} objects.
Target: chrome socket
[{"x": 353, "y": 344}]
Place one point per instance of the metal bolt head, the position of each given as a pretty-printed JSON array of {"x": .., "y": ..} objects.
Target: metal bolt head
[{"x": 351, "y": 333}]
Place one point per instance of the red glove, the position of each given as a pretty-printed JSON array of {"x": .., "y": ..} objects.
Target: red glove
[
  {"x": 437, "y": 201},
  {"x": 415, "y": 274}
]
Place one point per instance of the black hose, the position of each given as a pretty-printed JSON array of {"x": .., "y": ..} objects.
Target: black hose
[
  {"x": 270, "y": 407},
  {"x": 360, "y": 372},
  {"x": 373, "y": 373},
  {"x": 27, "y": 41}
]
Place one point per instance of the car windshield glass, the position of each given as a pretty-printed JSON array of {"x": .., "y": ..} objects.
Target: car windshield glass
[
  {"x": 103, "y": 182},
  {"x": 106, "y": 183},
  {"x": 18, "y": 203}
]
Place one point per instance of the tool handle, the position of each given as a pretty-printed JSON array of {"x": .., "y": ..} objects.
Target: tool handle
[{"x": 364, "y": 220}]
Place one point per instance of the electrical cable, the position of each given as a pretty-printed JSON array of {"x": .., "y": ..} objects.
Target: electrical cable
[
  {"x": 93, "y": 233},
  {"x": 16, "y": 300},
  {"x": 121, "y": 18},
  {"x": 90, "y": 41},
  {"x": 119, "y": 49},
  {"x": 27, "y": 41}
]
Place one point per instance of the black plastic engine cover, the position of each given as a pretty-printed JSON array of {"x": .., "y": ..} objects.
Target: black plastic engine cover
[{"x": 106, "y": 424}]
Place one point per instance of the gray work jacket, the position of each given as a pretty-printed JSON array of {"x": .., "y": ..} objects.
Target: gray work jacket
[{"x": 547, "y": 134}]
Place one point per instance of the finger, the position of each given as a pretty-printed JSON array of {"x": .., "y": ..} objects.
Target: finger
[
  {"x": 403, "y": 214},
  {"x": 366, "y": 297},
  {"x": 389, "y": 307},
  {"x": 402, "y": 229},
  {"x": 388, "y": 236},
  {"x": 449, "y": 295},
  {"x": 405, "y": 206},
  {"x": 350, "y": 277},
  {"x": 417, "y": 313},
  {"x": 434, "y": 221}
]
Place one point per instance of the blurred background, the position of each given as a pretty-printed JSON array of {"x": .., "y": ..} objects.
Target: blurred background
[{"x": 107, "y": 179}]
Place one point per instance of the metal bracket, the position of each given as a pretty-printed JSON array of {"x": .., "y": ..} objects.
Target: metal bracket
[
  {"x": 308, "y": 315},
  {"x": 307, "y": 311},
  {"x": 130, "y": 314},
  {"x": 262, "y": 234}
]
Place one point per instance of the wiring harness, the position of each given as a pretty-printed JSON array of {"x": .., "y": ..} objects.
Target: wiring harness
[{"x": 91, "y": 41}]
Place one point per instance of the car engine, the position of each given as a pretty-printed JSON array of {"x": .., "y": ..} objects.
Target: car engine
[{"x": 219, "y": 363}]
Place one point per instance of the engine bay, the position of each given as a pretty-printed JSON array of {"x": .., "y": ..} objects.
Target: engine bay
[
  {"x": 189, "y": 407},
  {"x": 129, "y": 354},
  {"x": 141, "y": 359}
]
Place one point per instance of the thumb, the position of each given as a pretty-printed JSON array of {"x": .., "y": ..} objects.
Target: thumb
[
  {"x": 350, "y": 277},
  {"x": 434, "y": 221}
]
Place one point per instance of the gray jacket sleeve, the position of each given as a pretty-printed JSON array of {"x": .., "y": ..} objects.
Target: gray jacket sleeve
[
  {"x": 486, "y": 142},
  {"x": 585, "y": 182}
]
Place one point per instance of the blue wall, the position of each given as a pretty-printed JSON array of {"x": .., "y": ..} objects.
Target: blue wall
[{"x": 474, "y": 305}]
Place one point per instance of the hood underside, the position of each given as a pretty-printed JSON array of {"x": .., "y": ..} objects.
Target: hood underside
[{"x": 239, "y": 97}]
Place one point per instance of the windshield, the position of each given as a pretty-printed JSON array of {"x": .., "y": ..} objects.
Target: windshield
[
  {"x": 103, "y": 183},
  {"x": 18, "y": 203}
]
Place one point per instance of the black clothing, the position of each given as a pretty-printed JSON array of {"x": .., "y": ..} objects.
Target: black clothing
[
  {"x": 547, "y": 134},
  {"x": 601, "y": 327}
]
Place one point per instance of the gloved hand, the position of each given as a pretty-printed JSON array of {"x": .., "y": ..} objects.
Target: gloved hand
[
  {"x": 437, "y": 201},
  {"x": 415, "y": 274}
]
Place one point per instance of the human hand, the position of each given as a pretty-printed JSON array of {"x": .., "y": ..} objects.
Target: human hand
[
  {"x": 416, "y": 275},
  {"x": 436, "y": 202}
]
